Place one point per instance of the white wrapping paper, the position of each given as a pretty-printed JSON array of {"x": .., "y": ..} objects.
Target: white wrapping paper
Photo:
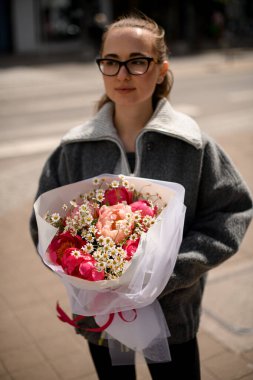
[{"x": 142, "y": 282}]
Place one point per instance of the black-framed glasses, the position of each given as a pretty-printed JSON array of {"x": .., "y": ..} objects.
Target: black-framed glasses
[{"x": 134, "y": 66}]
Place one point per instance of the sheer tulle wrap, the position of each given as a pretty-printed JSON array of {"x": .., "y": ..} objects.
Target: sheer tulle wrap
[{"x": 141, "y": 283}]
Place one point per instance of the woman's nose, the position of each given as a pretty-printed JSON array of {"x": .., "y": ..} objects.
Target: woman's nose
[{"x": 123, "y": 73}]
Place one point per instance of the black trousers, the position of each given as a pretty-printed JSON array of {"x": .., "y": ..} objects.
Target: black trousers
[{"x": 184, "y": 364}]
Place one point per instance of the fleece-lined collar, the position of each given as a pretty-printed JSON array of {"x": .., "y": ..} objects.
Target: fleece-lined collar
[{"x": 165, "y": 120}]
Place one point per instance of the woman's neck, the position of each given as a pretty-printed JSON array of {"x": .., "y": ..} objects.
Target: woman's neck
[{"x": 129, "y": 122}]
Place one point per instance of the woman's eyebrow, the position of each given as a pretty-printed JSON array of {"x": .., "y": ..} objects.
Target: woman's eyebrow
[
  {"x": 131, "y": 55},
  {"x": 138, "y": 54},
  {"x": 110, "y": 55}
]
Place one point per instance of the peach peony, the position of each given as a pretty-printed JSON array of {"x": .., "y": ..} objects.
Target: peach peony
[{"x": 115, "y": 222}]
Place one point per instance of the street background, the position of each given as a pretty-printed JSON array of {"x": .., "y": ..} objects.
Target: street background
[{"x": 38, "y": 104}]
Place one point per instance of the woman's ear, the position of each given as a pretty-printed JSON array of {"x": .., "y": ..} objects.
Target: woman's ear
[{"x": 163, "y": 70}]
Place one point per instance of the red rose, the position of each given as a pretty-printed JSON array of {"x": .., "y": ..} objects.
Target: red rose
[
  {"x": 142, "y": 206},
  {"x": 130, "y": 247},
  {"x": 60, "y": 243},
  {"x": 117, "y": 195}
]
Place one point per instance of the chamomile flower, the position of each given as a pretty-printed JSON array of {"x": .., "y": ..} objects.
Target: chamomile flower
[
  {"x": 88, "y": 219},
  {"x": 89, "y": 247},
  {"x": 89, "y": 237},
  {"x": 96, "y": 181},
  {"x": 134, "y": 236},
  {"x": 100, "y": 240},
  {"x": 101, "y": 265},
  {"x": 91, "y": 194},
  {"x": 125, "y": 183},
  {"x": 76, "y": 253},
  {"x": 83, "y": 208},
  {"x": 113, "y": 252},
  {"x": 105, "y": 255},
  {"x": 98, "y": 255},
  {"x": 55, "y": 217},
  {"x": 137, "y": 216},
  {"x": 115, "y": 184},
  {"x": 126, "y": 231},
  {"x": 92, "y": 230},
  {"x": 111, "y": 244},
  {"x": 83, "y": 233},
  {"x": 83, "y": 197},
  {"x": 121, "y": 251},
  {"x": 107, "y": 240},
  {"x": 99, "y": 197},
  {"x": 73, "y": 203},
  {"x": 109, "y": 263},
  {"x": 106, "y": 248}
]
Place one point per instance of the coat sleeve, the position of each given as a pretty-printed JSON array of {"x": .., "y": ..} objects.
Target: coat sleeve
[
  {"x": 222, "y": 217},
  {"x": 50, "y": 178}
]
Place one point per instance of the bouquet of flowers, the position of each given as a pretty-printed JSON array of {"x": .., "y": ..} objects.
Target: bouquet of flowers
[
  {"x": 113, "y": 240},
  {"x": 100, "y": 230}
]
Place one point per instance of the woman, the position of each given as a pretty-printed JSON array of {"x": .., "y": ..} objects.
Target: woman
[{"x": 137, "y": 132}]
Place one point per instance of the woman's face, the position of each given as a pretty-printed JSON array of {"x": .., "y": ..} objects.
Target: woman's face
[{"x": 125, "y": 89}]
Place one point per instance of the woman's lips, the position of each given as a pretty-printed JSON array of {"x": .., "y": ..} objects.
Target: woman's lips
[{"x": 124, "y": 90}]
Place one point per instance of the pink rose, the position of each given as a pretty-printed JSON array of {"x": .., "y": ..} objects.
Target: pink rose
[
  {"x": 130, "y": 247},
  {"x": 118, "y": 195},
  {"x": 142, "y": 206},
  {"x": 60, "y": 243},
  {"x": 113, "y": 222}
]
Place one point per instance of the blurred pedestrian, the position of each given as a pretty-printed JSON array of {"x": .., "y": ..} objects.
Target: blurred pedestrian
[{"x": 137, "y": 132}]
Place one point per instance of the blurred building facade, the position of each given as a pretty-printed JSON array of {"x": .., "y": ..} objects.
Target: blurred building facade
[{"x": 65, "y": 26}]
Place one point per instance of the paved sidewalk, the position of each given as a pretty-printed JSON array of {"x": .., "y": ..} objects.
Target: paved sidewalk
[{"x": 34, "y": 345}]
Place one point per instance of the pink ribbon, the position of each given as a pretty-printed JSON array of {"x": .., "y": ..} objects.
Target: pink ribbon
[{"x": 62, "y": 316}]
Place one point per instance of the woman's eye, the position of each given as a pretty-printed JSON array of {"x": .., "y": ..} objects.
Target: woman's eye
[
  {"x": 138, "y": 62},
  {"x": 109, "y": 63}
]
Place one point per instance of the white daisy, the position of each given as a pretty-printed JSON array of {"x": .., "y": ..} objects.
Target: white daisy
[
  {"x": 55, "y": 217},
  {"x": 115, "y": 184},
  {"x": 95, "y": 181}
]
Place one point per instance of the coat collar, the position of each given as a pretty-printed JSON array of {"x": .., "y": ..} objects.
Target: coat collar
[{"x": 165, "y": 120}]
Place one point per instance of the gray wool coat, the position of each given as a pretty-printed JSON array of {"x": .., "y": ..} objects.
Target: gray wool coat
[{"x": 171, "y": 147}]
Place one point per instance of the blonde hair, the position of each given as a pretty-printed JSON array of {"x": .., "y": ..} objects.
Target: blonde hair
[{"x": 140, "y": 20}]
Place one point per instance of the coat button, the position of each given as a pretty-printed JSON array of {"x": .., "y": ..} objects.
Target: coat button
[{"x": 149, "y": 146}]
